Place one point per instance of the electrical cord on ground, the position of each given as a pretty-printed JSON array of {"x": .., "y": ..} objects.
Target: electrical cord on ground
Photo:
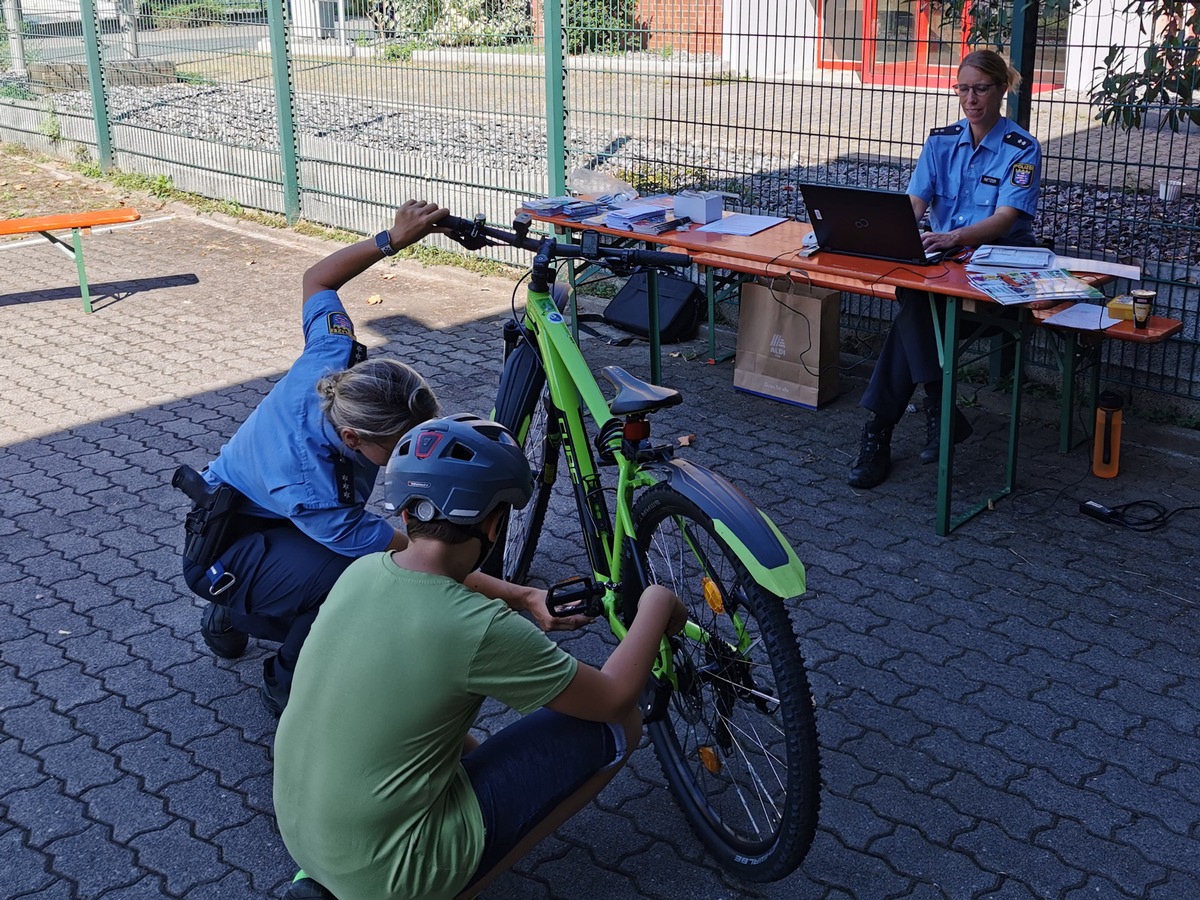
[{"x": 1138, "y": 515}]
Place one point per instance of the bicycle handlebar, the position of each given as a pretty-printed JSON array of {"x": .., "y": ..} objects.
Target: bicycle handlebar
[{"x": 476, "y": 234}]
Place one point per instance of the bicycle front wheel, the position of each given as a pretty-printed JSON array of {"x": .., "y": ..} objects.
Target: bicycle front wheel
[
  {"x": 524, "y": 526},
  {"x": 738, "y": 744}
]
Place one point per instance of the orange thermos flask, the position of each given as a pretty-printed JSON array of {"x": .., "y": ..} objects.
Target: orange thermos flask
[{"x": 1106, "y": 451}]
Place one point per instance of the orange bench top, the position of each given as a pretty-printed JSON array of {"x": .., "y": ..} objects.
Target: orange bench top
[
  {"x": 69, "y": 220},
  {"x": 1158, "y": 329}
]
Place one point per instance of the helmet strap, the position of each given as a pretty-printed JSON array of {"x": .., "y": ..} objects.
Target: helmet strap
[{"x": 486, "y": 544}]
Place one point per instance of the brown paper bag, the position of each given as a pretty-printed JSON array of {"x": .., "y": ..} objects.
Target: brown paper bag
[{"x": 788, "y": 343}]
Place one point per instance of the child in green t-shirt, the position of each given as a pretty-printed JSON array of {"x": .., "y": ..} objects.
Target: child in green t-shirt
[{"x": 380, "y": 790}]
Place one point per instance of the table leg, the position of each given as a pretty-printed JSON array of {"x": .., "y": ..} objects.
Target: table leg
[
  {"x": 1018, "y": 330},
  {"x": 85, "y": 292},
  {"x": 655, "y": 336},
  {"x": 1066, "y": 412},
  {"x": 710, "y": 291},
  {"x": 949, "y": 356},
  {"x": 1017, "y": 387}
]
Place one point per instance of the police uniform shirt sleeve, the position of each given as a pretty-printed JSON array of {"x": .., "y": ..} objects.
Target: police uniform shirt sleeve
[
  {"x": 923, "y": 181},
  {"x": 327, "y": 501},
  {"x": 1020, "y": 182},
  {"x": 267, "y": 458},
  {"x": 931, "y": 175}
]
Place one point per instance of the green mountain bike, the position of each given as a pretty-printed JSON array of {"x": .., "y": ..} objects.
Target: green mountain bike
[{"x": 729, "y": 709}]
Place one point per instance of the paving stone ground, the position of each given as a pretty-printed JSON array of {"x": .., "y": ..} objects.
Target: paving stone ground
[{"x": 1010, "y": 712}]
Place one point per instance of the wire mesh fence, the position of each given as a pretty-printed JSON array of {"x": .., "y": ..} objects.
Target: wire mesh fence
[{"x": 334, "y": 110}]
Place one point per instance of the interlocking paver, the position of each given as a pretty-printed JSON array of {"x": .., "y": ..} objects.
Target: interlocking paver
[{"x": 1005, "y": 713}]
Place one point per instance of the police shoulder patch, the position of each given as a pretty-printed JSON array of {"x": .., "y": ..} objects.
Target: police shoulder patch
[
  {"x": 1018, "y": 140},
  {"x": 339, "y": 323},
  {"x": 948, "y": 130},
  {"x": 1022, "y": 174}
]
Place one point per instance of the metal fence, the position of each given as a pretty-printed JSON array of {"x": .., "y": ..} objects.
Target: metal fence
[{"x": 335, "y": 110}]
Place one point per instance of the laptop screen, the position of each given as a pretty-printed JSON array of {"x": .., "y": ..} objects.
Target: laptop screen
[{"x": 865, "y": 222}]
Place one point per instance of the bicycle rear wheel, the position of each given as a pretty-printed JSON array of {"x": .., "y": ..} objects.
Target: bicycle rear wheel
[{"x": 738, "y": 744}]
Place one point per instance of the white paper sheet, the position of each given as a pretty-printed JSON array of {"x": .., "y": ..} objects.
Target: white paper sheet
[
  {"x": 1099, "y": 267},
  {"x": 1085, "y": 316},
  {"x": 740, "y": 223}
]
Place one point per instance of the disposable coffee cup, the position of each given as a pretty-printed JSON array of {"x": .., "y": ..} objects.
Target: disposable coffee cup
[{"x": 1142, "y": 302}]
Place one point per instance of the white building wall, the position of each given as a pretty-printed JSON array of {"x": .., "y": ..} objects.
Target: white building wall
[
  {"x": 770, "y": 38},
  {"x": 1093, "y": 27}
]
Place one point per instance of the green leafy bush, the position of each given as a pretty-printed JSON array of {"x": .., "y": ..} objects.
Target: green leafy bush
[
  {"x": 451, "y": 23},
  {"x": 608, "y": 26},
  {"x": 192, "y": 14}
]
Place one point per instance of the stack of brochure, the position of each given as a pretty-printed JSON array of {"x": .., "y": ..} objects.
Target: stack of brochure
[
  {"x": 625, "y": 216},
  {"x": 569, "y": 207},
  {"x": 548, "y": 206},
  {"x": 1028, "y": 285},
  {"x": 991, "y": 257}
]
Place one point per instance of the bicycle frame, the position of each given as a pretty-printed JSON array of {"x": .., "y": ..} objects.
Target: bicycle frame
[{"x": 573, "y": 391}]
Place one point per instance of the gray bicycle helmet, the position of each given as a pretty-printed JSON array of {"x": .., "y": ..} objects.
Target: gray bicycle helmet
[{"x": 458, "y": 468}]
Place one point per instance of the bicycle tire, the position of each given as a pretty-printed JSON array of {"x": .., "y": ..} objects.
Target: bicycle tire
[
  {"x": 522, "y": 406},
  {"x": 518, "y": 544},
  {"x": 738, "y": 741}
]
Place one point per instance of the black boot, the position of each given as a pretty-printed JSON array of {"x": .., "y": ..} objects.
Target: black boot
[
  {"x": 274, "y": 695},
  {"x": 933, "y": 429},
  {"x": 304, "y": 888},
  {"x": 216, "y": 627},
  {"x": 874, "y": 458}
]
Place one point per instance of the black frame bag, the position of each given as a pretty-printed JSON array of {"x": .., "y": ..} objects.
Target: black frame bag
[{"x": 679, "y": 305}]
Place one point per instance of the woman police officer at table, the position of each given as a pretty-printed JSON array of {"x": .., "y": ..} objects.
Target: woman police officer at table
[
  {"x": 305, "y": 462},
  {"x": 979, "y": 180}
]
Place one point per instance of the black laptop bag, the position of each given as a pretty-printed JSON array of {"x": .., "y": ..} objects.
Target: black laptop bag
[{"x": 679, "y": 306}]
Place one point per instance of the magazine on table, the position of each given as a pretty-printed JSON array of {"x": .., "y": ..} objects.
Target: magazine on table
[{"x": 1030, "y": 285}]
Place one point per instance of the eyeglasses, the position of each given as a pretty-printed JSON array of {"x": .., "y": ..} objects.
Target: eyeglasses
[{"x": 977, "y": 89}]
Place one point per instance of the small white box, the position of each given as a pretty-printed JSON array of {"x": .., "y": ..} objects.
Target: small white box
[{"x": 701, "y": 207}]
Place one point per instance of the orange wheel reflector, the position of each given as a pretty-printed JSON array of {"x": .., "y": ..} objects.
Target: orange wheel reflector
[
  {"x": 708, "y": 756},
  {"x": 712, "y": 596}
]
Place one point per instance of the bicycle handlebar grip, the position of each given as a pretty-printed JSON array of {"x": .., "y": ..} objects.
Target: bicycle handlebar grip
[
  {"x": 456, "y": 223},
  {"x": 660, "y": 258}
]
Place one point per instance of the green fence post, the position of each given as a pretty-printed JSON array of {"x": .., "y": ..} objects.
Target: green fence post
[
  {"x": 554, "y": 37},
  {"x": 91, "y": 46},
  {"x": 281, "y": 71},
  {"x": 1024, "y": 51}
]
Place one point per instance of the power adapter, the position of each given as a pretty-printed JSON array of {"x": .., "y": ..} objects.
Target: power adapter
[{"x": 1097, "y": 511}]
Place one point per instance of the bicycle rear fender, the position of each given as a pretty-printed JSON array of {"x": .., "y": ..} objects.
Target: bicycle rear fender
[{"x": 752, "y": 536}]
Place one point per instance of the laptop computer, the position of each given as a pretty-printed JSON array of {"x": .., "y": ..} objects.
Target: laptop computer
[{"x": 865, "y": 222}]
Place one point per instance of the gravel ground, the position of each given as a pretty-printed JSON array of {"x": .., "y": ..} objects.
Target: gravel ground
[{"x": 1127, "y": 224}]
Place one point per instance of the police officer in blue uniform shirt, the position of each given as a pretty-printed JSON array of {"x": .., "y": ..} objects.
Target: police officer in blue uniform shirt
[
  {"x": 979, "y": 180},
  {"x": 305, "y": 463}
]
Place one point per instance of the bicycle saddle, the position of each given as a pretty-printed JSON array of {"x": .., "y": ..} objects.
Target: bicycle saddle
[{"x": 635, "y": 395}]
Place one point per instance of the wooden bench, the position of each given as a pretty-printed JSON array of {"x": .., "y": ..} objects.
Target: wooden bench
[
  {"x": 1081, "y": 349},
  {"x": 1076, "y": 349},
  {"x": 78, "y": 224}
]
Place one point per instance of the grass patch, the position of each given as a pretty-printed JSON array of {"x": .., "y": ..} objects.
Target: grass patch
[{"x": 162, "y": 187}]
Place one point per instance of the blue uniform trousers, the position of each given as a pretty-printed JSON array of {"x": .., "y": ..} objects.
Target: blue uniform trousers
[
  {"x": 909, "y": 357},
  {"x": 283, "y": 577}
]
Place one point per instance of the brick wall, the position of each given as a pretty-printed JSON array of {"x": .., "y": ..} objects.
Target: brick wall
[{"x": 692, "y": 26}]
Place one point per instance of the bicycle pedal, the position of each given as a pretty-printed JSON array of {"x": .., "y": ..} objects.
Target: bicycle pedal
[{"x": 575, "y": 597}]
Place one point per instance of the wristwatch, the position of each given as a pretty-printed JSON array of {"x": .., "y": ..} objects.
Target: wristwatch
[{"x": 383, "y": 241}]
